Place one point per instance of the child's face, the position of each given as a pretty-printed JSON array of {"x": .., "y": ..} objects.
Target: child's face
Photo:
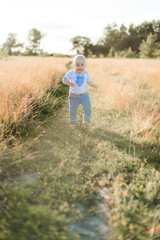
[{"x": 80, "y": 66}]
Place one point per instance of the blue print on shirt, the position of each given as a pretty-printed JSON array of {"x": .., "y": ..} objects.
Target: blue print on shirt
[{"x": 80, "y": 80}]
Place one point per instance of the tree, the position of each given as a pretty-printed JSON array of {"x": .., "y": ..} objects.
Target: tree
[
  {"x": 110, "y": 36},
  {"x": 34, "y": 39},
  {"x": 123, "y": 42},
  {"x": 148, "y": 48},
  {"x": 114, "y": 37},
  {"x": 12, "y": 46},
  {"x": 81, "y": 45},
  {"x": 156, "y": 26},
  {"x": 140, "y": 32},
  {"x": 123, "y": 39},
  {"x": 111, "y": 52}
]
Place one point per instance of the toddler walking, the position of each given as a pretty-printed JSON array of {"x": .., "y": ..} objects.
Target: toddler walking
[{"x": 78, "y": 79}]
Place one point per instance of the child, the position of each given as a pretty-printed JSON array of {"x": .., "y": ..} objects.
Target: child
[{"x": 78, "y": 79}]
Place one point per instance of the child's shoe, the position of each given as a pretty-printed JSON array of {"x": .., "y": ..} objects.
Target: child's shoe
[
  {"x": 86, "y": 122},
  {"x": 72, "y": 124}
]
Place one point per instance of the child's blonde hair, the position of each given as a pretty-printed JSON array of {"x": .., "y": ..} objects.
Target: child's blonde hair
[{"x": 79, "y": 56}]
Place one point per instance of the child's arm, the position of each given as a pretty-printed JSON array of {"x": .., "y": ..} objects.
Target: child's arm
[
  {"x": 68, "y": 82},
  {"x": 92, "y": 84}
]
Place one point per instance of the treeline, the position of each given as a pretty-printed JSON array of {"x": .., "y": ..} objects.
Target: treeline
[
  {"x": 135, "y": 41},
  {"x": 31, "y": 47},
  {"x": 12, "y": 47}
]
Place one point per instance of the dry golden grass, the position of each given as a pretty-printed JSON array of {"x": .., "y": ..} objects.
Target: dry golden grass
[
  {"x": 120, "y": 95},
  {"x": 128, "y": 85},
  {"x": 23, "y": 80},
  {"x": 137, "y": 70},
  {"x": 146, "y": 121}
]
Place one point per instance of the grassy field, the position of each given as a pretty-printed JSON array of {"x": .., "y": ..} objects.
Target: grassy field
[
  {"x": 25, "y": 86},
  {"x": 54, "y": 180}
]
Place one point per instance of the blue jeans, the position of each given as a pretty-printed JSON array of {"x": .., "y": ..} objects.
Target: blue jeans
[{"x": 74, "y": 104}]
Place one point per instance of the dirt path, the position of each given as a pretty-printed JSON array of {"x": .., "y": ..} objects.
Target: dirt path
[{"x": 74, "y": 152}]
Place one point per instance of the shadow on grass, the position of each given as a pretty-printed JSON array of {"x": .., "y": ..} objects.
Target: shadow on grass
[{"x": 149, "y": 153}]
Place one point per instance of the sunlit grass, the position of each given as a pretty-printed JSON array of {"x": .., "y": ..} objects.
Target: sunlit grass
[
  {"x": 72, "y": 166},
  {"x": 140, "y": 71},
  {"x": 132, "y": 86},
  {"x": 23, "y": 82},
  {"x": 127, "y": 84}
]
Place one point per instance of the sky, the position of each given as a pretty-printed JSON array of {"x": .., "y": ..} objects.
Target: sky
[{"x": 61, "y": 20}]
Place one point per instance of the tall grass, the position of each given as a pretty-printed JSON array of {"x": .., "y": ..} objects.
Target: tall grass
[
  {"x": 140, "y": 71},
  {"x": 23, "y": 82},
  {"x": 132, "y": 86}
]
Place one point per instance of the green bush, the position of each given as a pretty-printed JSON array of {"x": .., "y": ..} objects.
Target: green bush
[
  {"x": 127, "y": 53},
  {"x": 150, "y": 48}
]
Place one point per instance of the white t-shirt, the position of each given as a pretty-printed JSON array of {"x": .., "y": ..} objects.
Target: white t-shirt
[{"x": 80, "y": 81}]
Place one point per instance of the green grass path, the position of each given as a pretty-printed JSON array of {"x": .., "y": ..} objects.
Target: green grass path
[{"x": 63, "y": 173}]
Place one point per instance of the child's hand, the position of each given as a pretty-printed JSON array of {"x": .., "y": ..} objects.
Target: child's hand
[
  {"x": 95, "y": 87},
  {"x": 71, "y": 84}
]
